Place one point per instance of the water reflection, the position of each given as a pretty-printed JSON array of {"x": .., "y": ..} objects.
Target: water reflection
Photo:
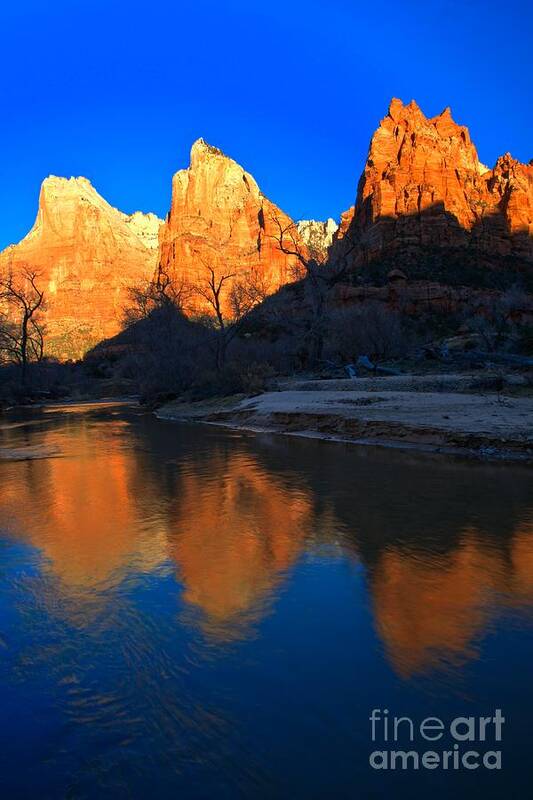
[
  {"x": 445, "y": 548},
  {"x": 233, "y": 536},
  {"x": 430, "y": 609},
  {"x": 78, "y": 508}
]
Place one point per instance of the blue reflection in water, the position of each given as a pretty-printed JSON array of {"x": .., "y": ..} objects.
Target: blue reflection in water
[{"x": 188, "y": 611}]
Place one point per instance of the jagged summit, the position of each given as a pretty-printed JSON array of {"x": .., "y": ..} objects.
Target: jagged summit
[
  {"x": 423, "y": 185},
  {"x": 56, "y": 189},
  {"x": 201, "y": 147},
  {"x": 61, "y": 183},
  {"x": 219, "y": 218},
  {"x": 209, "y": 166},
  {"x": 400, "y": 110},
  {"x": 446, "y": 112}
]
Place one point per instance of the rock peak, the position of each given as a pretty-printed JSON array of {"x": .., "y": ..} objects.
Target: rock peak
[
  {"x": 59, "y": 185},
  {"x": 316, "y": 234},
  {"x": 395, "y": 107},
  {"x": 72, "y": 181},
  {"x": 424, "y": 185},
  {"x": 202, "y": 149},
  {"x": 220, "y": 219},
  {"x": 60, "y": 192},
  {"x": 398, "y": 110},
  {"x": 87, "y": 253}
]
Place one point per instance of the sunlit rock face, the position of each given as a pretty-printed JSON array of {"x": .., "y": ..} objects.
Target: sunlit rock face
[
  {"x": 424, "y": 186},
  {"x": 86, "y": 254},
  {"x": 317, "y": 235},
  {"x": 220, "y": 220}
]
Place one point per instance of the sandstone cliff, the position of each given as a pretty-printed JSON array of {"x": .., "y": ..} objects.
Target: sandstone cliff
[
  {"x": 220, "y": 220},
  {"x": 424, "y": 186},
  {"x": 423, "y": 190},
  {"x": 317, "y": 235},
  {"x": 86, "y": 254}
]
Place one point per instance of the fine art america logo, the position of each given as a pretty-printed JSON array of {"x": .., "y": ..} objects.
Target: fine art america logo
[{"x": 462, "y": 743}]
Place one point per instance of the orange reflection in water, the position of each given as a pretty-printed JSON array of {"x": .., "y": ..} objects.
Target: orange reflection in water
[
  {"x": 115, "y": 504},
  {"x": 430, "y": 609},
  {"x": 98, "y": 511},
  {"x": 520, "y": 575},
  {"x": 233, "y": 540},
  {"x": 79, "y": 511}
]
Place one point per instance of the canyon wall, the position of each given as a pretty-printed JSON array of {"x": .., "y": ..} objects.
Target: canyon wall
[
  {"x": 423, "y": 186},
  {"x": 86, "y": 254},
  {"x": 219, "y": 220},
  {"x": 423, "y": 191}
]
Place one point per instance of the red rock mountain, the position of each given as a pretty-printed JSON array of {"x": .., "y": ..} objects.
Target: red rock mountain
[
  {"x": 219, "y": 219},
  {"x": 423, "y": 189},
  {"x": 86, "y": 254},
  {"x": 424, "y": 186}
]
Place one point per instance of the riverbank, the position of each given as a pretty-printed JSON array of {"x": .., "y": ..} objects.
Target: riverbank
[{"x": 454, "y": 416}]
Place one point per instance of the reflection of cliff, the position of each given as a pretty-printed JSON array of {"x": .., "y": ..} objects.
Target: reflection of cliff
[
  {"x": 429, "y": 609},
  {"x": 444, "y": 544},
  {"x": 521, "y": 573},
  {"x": 232, "y": 537},
  {"x": 107, "y": 507},
  {"x": 77, "y": 509}
]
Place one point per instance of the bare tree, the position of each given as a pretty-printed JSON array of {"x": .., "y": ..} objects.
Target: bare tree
[
  {"x": 498, "y": 321},
  {"x": 164, "y": 292},
  {"x": 248, "y": 290},
  {"x": 229, "y": 297},
  {"x": 320, "y": 273},
  {"x": 368, "y": 329},
  {"x": 22, "y": 338},
  {"x": 7, "y": 333}
]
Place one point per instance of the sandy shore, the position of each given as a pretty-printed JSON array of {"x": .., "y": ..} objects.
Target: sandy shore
[{"x": 489, "y": 425}]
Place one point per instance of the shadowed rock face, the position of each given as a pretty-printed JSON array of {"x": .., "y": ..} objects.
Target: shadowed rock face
[
  {"x": 86, "y": 254},
  {"x": 424, "y": 186},
  {"x": 219, "y": 219}
]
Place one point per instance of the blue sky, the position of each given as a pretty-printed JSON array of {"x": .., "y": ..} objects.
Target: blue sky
[{"x": 117, "y": 91}]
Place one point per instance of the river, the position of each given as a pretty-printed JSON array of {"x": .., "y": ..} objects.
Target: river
[{"x": 188, "y": 611}]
